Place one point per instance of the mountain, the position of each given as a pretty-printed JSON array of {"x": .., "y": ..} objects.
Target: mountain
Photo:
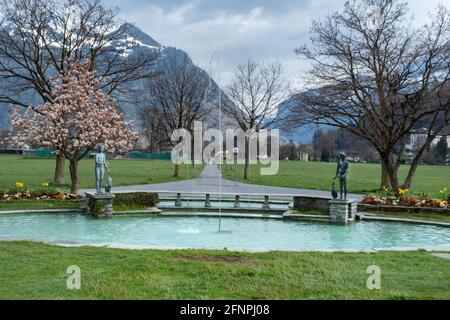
[
  {"x": 134, "y": 43},
  {"x": 303, "y": 134}
]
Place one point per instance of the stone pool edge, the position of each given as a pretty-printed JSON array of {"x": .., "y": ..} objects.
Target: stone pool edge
[
  {"x": 40, "y": 211},
  {"x": 267, "y": 215}
]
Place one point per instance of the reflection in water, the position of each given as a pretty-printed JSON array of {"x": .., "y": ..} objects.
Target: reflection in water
[{"x": 190, "y": 230}]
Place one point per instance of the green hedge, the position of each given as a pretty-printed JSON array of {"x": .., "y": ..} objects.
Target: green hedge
[{"x": 136, "y": 199}]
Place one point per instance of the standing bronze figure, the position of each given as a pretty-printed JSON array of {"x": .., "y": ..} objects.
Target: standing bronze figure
[
  {"x": 341, "y": 174},
  {"x": 100, "y": 166}
]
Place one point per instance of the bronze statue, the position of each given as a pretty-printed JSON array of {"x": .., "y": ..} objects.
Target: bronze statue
[
  {"x": 108, "y": 183},
  {"x": 341, "y": 174},
  {"x": 100, "y": 166}
]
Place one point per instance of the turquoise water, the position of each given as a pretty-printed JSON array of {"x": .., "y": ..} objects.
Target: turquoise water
[{"x": 197, "y": 232}]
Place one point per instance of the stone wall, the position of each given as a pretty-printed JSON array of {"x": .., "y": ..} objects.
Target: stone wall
[
  {"x": 99, "y": 205},
  {"x": 343, "y": 211},
  {"x": 311, "y": 203}
]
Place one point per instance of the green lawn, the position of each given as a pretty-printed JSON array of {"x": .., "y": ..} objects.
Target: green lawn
[
  {"x": 363, "y": 178},
  {"x": 124, "y": 172},
  {"x": 39, "y": 204},
  {"x": 424, "y": 216},
  {"x": 57, "y": 204},
  {"x": 37, "y": 271}
]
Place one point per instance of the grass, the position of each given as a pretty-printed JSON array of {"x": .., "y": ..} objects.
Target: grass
[
  {"x": 437, "y": 217},
  {"x": 39, "y": 204},
  {"x": 38, "y": 271},
  {"x": 57, "y": 204},
  {"x": 362, "y": 179},
  {"x": 34, "y": 172}
]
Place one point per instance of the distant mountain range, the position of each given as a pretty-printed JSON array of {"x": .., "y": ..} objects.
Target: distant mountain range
[{"x": 137, "y": 42}]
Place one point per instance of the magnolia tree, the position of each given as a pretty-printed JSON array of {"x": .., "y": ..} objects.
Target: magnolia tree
[{"x": 81, "y": 117}]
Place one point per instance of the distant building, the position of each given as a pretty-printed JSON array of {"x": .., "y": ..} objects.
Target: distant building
[
  {"x": 417, "y": 138},
  {"x": 303, "y": 156},
  {"x": 353, "y": 157}
]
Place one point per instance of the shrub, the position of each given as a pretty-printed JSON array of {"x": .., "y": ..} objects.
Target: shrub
[{"x": 145, "y": 199}]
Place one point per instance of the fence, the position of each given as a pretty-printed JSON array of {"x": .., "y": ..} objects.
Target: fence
[
  {"x": 149, "y": 156},
  {"x": 45, "y": 153}
]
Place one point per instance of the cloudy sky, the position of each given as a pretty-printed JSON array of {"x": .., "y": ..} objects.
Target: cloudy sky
[{"x": 236, "y": 30}]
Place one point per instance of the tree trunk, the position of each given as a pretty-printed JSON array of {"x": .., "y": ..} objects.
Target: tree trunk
[
  {"x": 390, "y": 169},
  {"x": 412, "y": 171},
  {"x": 408, "y": 180},
  {"x": 193, "y": 151},
  {"x": 416, "y": 161},
  {"x": 385, "y": 181},
  {"x": 59, "y": 169},
  {"x": 74, "y": 176},
  {"x": 247, "y": 158},
  {"x": 176, "y": 172}
]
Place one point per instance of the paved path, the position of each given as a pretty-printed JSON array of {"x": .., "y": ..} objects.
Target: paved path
[
  {"x": 442, "y": 255},
  {"x": 211, "y": 181}
]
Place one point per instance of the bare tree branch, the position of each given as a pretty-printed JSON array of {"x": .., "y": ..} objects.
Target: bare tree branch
[
  {"x": 179, "y": 96},
  {"x": 379, "y": 82}
]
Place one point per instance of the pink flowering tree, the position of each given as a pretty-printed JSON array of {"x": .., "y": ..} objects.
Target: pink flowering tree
[{"x": 80, "y": 118}]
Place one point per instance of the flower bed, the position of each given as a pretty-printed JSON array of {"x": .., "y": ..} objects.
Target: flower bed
[
  {"x": 403, "y": 199},
  {"x": 44, "y": 192},
  {"x": 388, "y": 208}
]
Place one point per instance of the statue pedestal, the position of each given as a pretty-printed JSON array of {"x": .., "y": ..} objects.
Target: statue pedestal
[
  {"x": 343, "y": 211},
  {"x": 100, "y": 205}
]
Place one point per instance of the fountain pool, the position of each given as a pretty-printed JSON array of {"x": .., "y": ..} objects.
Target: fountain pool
[{"x": 201, "y": 233}]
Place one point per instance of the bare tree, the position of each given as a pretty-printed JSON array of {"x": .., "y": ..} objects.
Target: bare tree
[
  {"x": 153, "y": 129},
  {"x": 289, "y": 151},
  {"x": 379, "y": 80},
  {"x": 178, "y": 97},
  {"x": 38, "y": 38},
  {"x": 255, "y": 93}
]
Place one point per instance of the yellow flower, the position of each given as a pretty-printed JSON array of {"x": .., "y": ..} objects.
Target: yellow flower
[
  {"x": 444, "y": 191},
  {"x": 45, "y": 184},
  {"x": 19, "y": 184}
]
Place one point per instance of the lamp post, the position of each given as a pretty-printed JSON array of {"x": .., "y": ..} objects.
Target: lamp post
[
  {"x": 226, "y": 157},
  {"x": 235, "y": 153}
]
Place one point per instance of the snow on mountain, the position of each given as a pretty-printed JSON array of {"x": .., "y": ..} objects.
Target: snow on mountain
[
  {"x": 135, "y": 39},
  {"x": 135, "y": 42}
]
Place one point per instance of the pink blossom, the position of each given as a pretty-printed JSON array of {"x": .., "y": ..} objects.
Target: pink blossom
[{"x": 81, "y": 117}]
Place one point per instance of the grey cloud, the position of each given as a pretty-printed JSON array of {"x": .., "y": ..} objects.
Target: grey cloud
[{"x": 236, "y": 29}]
